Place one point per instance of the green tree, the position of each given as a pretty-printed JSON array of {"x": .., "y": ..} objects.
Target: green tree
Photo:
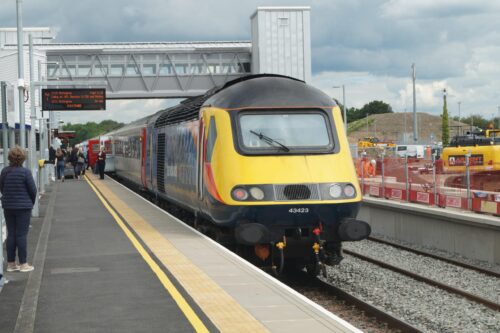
[
  {"x": 477, "y": 121},
  {"x": 444, "y": 122},
  {"x": 374, "y": 107},
  {"x": 90, "y": 130}
]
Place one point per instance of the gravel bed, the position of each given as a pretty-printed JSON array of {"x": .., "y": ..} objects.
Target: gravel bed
[
  {"x": 442, "y": 253},
  {"x": 349, "y": 313},
  {"x": 426, "y": 307},
  {"x": 465, "y": 279}
]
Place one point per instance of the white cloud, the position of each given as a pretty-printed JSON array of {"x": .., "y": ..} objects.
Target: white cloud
[
  {"x": 368, "y": 45},
  {"x": 425, "y": 8}
]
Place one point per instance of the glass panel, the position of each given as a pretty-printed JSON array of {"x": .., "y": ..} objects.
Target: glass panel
[
  {"x": 83, "y": 70},
  {"x": 100, "y": 70},
  {"x": 227, "y": 68},
  {"x": 181, "y": 69},
  {"x": 197, "y": 69},
  {"x": 71, "y": 69},
  {"x": 52, "y": 70},
  {"x": 132, "y": 69},
  {"x": 296, "y": 130},
  {"x": 214, "y": 69},
  {"x": 149, "y": 69},
  {"x": 166, "y": 69},
  {"x": 116, "y": 70}
]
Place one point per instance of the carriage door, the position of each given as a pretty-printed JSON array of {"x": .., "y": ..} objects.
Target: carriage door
[
  {"x": 200, "y": 158},
  {"x": 150, "y": 155},
  {"x": 143, "y": 156},
  {"x": 160, "y": 163}
]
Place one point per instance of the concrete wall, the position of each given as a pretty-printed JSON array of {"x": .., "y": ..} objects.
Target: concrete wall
[{"x": 468, "y": 234}]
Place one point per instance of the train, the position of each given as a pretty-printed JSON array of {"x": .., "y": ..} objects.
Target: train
[{"x": 261, "y": 164}]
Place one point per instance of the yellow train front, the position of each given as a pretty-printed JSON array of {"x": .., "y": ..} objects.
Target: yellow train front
[{"x": 276, "y": 173}]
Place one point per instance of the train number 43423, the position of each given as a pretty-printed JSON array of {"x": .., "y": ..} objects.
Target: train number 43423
[{"x": 298, "y": 210}]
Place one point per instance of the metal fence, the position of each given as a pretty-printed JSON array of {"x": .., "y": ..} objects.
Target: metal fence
[{"x": 423, "y": 181}]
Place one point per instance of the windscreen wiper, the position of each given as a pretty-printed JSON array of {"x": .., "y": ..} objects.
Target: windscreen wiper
[{"x": 270, "y": 141}]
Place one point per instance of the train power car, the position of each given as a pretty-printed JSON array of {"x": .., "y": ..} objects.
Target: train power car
[{"x": 262, "y": 163}]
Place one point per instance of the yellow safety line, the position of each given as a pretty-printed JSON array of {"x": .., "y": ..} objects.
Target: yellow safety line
[{"x": 176, "y": 295}]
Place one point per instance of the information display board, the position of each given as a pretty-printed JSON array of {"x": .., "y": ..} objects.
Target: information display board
[{"x": 73, "y": 99}]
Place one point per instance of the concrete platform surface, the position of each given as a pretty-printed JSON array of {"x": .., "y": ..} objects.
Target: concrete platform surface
[{"x": 107, "y": 260}]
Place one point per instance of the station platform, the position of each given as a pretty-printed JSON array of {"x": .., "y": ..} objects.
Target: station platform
[{"x": 106, "y": 260}]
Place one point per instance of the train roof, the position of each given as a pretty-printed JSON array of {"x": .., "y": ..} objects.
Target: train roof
[
  {"x": 252, "y": 91},
  {"x": 269, "y": 90}
]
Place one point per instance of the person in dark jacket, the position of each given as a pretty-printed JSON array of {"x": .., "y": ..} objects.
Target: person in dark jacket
[
  {"x": 101, "y": 162},
  {"x": 52, "y": 154},
  {"x": 80, "y": 162},
  {"x": 73, "y": 159},
  {"x": 60, "y": 160},
  {"x": 18, "y": 197}
]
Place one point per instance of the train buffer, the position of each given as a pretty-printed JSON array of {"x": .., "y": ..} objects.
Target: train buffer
[{"x": 107, "y": 260}]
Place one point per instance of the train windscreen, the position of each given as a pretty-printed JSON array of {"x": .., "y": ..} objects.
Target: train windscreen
[{"x": 285, "y": 131}]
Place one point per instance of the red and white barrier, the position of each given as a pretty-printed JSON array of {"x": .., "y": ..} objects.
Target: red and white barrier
[{"x": 482, "y": 202}]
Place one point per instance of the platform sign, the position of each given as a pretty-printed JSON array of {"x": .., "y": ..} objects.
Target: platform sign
[{"x": 73, "y": 99}]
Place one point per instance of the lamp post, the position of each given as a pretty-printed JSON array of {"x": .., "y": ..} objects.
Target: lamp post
[
  {"x": 404, "y": 133},
  {"x": 415, "y": 120},
  {"x": 33, "y": 163},
  {"x": 459, "y": 110},
  {"x": 345, "y": 108},
  {"x": 20, "y": 73}
]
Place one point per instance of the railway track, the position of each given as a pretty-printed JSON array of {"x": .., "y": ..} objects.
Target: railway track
[
  {"x": 434, "y": 256},
  {"x": 347, "y": 306},
  {"x": 450, "y": 289},
  {"x": 365, "y": 315}
]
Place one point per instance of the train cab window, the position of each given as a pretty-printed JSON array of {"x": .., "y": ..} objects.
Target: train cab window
[
  {"x": 285, "y": 132},
  {"x": 212, "y": 136}
]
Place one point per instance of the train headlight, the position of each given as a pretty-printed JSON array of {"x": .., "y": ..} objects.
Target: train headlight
[
  {"x": 335, "y": 191},
  {"x": 240, "y": 194},
  {"x": 349, "y": 191},
  {"x": 256, "y": 193}
]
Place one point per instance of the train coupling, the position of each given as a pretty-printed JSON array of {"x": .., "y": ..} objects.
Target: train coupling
[{"x": 351, "y": 229}]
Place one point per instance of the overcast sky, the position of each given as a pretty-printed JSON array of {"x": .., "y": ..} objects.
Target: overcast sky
[{"x": 367, "y": 45}]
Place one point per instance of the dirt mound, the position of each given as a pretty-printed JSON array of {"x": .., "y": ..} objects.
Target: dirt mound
[{"x": 398, "y": 127}]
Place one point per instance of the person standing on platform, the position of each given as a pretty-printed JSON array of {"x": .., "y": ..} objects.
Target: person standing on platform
[
  {"x": 60, "y": 161},
  {"x": 18, "y": 197},
  {"x": 52, "y": 154},
  {"x": 80, "y": 161},
  {"x": 101, "y": 162},
  {"x": 73, "y": 158},
  {"x": 52, "y": 160}
]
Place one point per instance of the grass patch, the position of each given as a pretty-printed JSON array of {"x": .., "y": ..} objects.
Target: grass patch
[{"x": 356, "y": 125}]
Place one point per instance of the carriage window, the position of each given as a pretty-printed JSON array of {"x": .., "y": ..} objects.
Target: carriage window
[{"x": 285, "y": 131}]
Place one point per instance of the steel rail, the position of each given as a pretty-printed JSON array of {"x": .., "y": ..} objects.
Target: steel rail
[
  {"x": 434, "y": 256},
  {"x": 298, "y": 280},
  {"x": 370, "y": 310},
  {"x": 472, "y": 297}
]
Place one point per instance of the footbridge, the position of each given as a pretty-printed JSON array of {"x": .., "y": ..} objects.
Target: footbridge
[
  {"x": 279, "y": 44},
  {"x": 150, "y": 70}
]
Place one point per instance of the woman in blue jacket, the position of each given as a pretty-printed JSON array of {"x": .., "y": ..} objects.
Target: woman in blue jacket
[{"x": 18, "y": 197}]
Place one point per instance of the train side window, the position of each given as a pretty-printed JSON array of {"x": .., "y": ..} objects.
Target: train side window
[{"x": 212, "y": 136}]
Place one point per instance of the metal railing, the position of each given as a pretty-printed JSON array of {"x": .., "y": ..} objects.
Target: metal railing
[{"x": 423, "y": 181}]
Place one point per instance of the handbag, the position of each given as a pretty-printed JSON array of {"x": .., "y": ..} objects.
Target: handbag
[{"x": 81, "y": 160}]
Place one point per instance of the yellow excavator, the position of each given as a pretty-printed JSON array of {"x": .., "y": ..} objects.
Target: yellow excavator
[{"x": 372, "y": 142}]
